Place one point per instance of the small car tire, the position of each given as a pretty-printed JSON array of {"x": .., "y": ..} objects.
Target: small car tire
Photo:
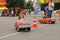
[
  {"x": 18, "y": 30},
  {"x": 27, "y": 29},
  {"x": 53, "y": 22},
  {"x": 41, "y": 22}
]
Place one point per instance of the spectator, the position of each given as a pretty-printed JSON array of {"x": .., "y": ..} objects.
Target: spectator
[
  {"x": 36, "y": 10},
  {"x": 50, "y": 8},
  {"x": 3, "y": 14}
]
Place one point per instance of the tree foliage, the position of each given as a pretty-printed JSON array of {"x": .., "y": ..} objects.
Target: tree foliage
[{"x": 15, "y": 3}]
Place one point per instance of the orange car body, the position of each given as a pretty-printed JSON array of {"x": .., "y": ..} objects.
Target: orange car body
[{"x": 45, "y": 20}]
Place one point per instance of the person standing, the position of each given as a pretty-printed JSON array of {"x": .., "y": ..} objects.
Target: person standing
[
  {"x": 50, "y": 8},
  {"x": 39, "y": 8},
  {"x": 36, "y": 10}
]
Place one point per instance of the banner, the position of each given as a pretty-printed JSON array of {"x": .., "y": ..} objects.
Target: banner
[
  {"x": 2, "y": 3},
  {"x": 41, "y": 1}
]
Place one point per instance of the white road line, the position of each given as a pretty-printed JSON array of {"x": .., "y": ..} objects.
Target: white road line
[
  {"x": 9, "y": 35},
  {"x": 43, "y": 25},
  {"x": 18, "y": 32}
]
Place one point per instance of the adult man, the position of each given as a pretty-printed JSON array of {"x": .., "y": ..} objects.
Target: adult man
[{"x": 50, "y": 8}]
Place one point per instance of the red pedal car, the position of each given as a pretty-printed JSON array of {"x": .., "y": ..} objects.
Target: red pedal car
[
  {"x": 47, "y": 20},
  {"x": 22, "y": 26}
]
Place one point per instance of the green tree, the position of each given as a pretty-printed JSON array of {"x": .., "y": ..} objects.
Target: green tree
[{"x": 15, "y": 3}]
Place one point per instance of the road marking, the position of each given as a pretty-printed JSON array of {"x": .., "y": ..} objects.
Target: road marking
[
  {"x": 18, "y": 32},
  {"x": 43, "y": 25},
  {"x": 9, "y": 35}
]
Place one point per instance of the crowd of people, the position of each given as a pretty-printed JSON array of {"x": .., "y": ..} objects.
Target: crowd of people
[
  {"x": 16, "y": 11},
  {"x": 49, "y": 9},
  {"x": 13, "y": 12}
]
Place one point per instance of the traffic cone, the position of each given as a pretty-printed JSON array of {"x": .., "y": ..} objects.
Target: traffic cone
[{"x": 34, "y": 24}]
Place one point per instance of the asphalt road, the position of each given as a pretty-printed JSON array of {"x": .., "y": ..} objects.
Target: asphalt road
[{"x": 43, "y": 32}]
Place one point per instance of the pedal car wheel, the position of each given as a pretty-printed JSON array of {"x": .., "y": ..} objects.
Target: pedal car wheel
[
  {"x": 41, "y": 22},
  {"x": 50, "y": 22},
  {"x": 53, "y": 22},
  {"x": 18, "y": 30},
  {"x": 44, "y": 22},
  {"x": 15, "y": 28},
  {"x": 27, "y": 29}
]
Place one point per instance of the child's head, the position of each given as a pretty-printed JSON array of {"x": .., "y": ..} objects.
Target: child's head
[{"x": 21, "y": 16}]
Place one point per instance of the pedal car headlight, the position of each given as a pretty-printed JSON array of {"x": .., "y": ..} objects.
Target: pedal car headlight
[
  {"x": 19, "y": 26},
  {"x": 23, "y": 26}
]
